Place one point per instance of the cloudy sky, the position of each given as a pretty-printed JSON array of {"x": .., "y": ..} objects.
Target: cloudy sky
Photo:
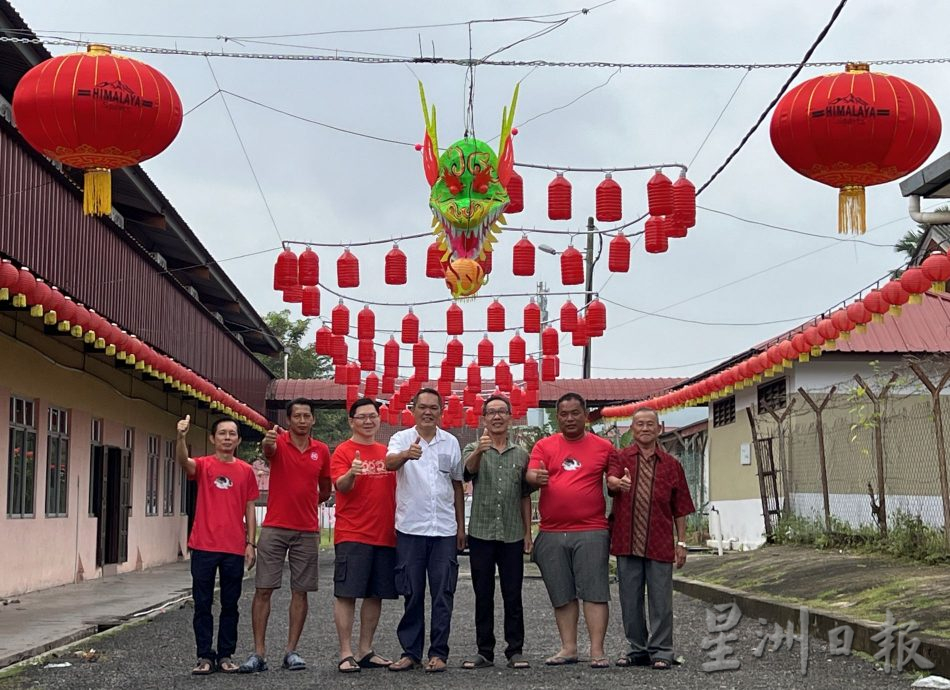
[{"x": 326, "y": 186}]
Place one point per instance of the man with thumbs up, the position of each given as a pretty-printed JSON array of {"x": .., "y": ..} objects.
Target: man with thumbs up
[
  {"x": 647, "y": 535},
  {"x": 365, "y": 536}
]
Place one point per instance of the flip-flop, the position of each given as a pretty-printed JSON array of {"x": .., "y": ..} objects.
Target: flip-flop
[
  {"x": 558, "y": 660},
  {"x": 204, "y": 667},
  {"x": 600, "y": 662},
  {"x": 352, "y": 665},
  {"x": 226, "y": 665},
  {"x": 477, "y": 661},
  {"x": 632, "y": 660},
  {"x": 367, "y": 661},
  {"x": 436, "y": 665},
  {"x": 661, "y": 665},
  {"x": 406, "y": 663}
]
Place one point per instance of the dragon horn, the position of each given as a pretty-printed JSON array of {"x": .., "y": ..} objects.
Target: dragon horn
[
  {"x": 430, "y": 121},
  {"x": 507, "y": 120}
]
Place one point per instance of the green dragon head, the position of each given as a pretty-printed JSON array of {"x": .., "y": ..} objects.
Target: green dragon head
[{"x": 468, "y": 183}]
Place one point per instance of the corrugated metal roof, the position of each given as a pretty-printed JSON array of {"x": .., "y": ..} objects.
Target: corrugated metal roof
[{"x": 921, "y": 328}]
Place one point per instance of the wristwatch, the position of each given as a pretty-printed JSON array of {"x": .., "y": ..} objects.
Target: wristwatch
[{"x": 681, "y": 543}]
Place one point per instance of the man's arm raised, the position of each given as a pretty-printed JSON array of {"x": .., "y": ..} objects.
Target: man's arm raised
[
  {"x": 269, "y": 443},
  {"x": 396, "y": 460},
  {"x": 181, "y": 447}
]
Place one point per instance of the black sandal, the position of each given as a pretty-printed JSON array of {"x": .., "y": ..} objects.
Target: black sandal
[
  {"x": 352, "y": 665},
  {"x": 204, "y": 667},
  {"x": 367, "y": 661}
]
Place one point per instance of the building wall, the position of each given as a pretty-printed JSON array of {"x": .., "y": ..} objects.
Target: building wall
[
  {"x": 729, "y": 478},
  {"x": 47, "y": 551}
]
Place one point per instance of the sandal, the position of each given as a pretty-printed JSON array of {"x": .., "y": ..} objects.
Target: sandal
[
  {"x": 661, "y": 665},
  {"x": 632, "y": 660},
  {"x": 435, "y": 665},
  {"x": 351, "y": 665},
  {"x": 368, "y": 662},
  {"x": 599, "y": 662},
  {"x": 558, "y": 660},
  {"x": 255, "y": 664},
  {"x": 518, "y": 661},
  {"x": 406, "y": 663},
  {"x": 226, "y": 665},
  {"x": 204, "y": 667},
  {"x": 477, "y": 661}
]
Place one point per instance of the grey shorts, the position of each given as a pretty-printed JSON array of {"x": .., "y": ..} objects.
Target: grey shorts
[
  {"x": 574, "y": 565},
  {"x": 363, "y": 571},
  {"x": 274, "y": 546}
]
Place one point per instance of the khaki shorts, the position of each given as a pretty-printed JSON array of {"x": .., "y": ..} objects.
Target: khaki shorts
[{"x": 274, "y": 546}]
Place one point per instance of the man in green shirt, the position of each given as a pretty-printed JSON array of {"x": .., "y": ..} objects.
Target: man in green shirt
[{"x": 499, "y": 532}]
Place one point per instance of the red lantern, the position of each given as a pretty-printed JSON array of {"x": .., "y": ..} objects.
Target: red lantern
[
  {"x": 394, "y": 270},
  {"x": 420, "y": 354},
  {"x": 391, "y": 354},
  {"x": 559, "y": 198},
  {"x": 348, "y": 270},
  {"x": 596, "y": 318},
  {"x": 654, "y": 236},
  {"x": 549, "y": 341},
  {"x": 308, "y": 267},
  {"x": 572, "y": 267},
  {"x": 444, "y": 387},
  {"x": 673, "y": 229},
  {"x": 338, "y": 349},
  {"x": 515, "y": 189},
  {"x": 895, "y": 295},
  {"x": 371, "y": 385},
  {"x": 530, "y": 373},
  {"x": 486, "y": 263},
  {"x": 454, "y": 351},
  {"x": 532, "y": 317},
  {"x": 366, "y": 324},
  {"x": 858, "y": 313},
  {"x": 324, "y": 341},
  {"x": 841, "y": 321},
  {"x": 454, "y": 320},
  {"x": 407, "y": 419},
  {"x": 516, "y": 349},
  {"x": 367, "y": 355},
  {"x": 660, "y": 194},
  {"x": 353, "y": 374},
  {"x": 474, "y": 376},
  {"x": 310, "y": 300},
  {"x": 434, "y": 266},
  {"x": 568, "y": 317},
  {"x": 496, "y": 317},
  {"x": 388, "y": 385},
  {"x": 340, "y": 374},
  {"x": 549, "y": 367},
  {"x": 618, "y": 256},
  {"x": 340, "y": 319},
  {"x": 937, "y": 268},
  {"x": 684, "y": 202},
  {"x": 503, "y": 376},
  {"x": 579, "y": 337},
  {"x": 293, "y": 295},
  {"x": 875, "y": 303},
  {"x": 447, "y": 370},
  {"x": 828, "y": 331},
  {"x": 609, "y": 200},
  {"x": 522, "y": 262},
  {"x": 96, "y": 111},
  {"x": 486, "y": 352},
  {"x": 915, "y": 283},
  {"x": 285, "y": 270},
  {"x": 854, "y": 129},
  {"x": 410, "y": 328}
]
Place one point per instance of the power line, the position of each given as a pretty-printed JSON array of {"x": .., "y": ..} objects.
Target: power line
[{"x": 793, "y": 230}]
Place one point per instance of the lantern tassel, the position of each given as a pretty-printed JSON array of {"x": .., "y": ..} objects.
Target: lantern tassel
[
  {"x": 97, "y": 192},
  {"x": 851, "y": 217}
]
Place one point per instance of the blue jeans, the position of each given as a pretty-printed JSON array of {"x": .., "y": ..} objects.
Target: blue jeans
[
  {"x": 417, "y": 557},
  {"x": 204, "y": 566}
]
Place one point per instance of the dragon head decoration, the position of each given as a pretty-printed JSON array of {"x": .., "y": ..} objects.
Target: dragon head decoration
[{"x": 469, "y": 196}]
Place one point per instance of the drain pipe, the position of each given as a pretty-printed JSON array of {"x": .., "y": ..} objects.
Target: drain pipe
[
  {"x": 713, "y": 509},
  {"x": 926, "y": 217}
]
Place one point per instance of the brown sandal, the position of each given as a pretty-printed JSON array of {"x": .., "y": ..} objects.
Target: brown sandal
[
  {"x": 436, "y": 665},
  {"x": 204, "y": 667},
  {"x": 406, "y": 663}
]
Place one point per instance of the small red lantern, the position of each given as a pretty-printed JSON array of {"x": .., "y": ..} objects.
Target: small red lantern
[
  {"x": 486, "y": 352},
  {"x": 858, "y": 313},
  {"x": 549, "y": 367},
  {"x": 454, "y": 320},
  {"x": 549, "y": 341},
  {"x": 454, "y": 352},
  {"x": 293, "y": 295},
  {"x": 410, "y": 328},
  {"x": 394, "y": 270},
  {"x": 937, "y": 268},
  {"x": 420, "y": 354},
  {"x": 609, "y": 200},
  {"x": 371, "y": 386},
  {"x": 338, "y": 349},
  {"x": 596, "y": 318},
  {"x": 895, "y": 295},
  {"x": 660, "y": 194},
  {"x": 308, "y": 267},
  {"x": 532, "y": 317},
  {"x": 407, "y": 419},
  {"x": 496, "y": 317},
  {"x": 366, "y": 323},
  {"x": 367, "y": 355},
  {"x": 875, "y": 303},
  {"x": 828, "y": 331},
  {"x": 285, "y": 270},
  {"x": 391, "y": 354},
  {"x": 684, "y": 202},
  {"x": 323, "y": 343},
  {"x": 340, "y": 374},
  {"x": 515, "y": 189},
  {"x": 387, "y": 385},
  {"x": 353, "y": 374},
  {"x": 516, "y": 349},
  {"x": 434, "y": 266},
  {"x": 486, "y": 263},
  {"x": 842, "y": 322},
  {"x": 568, "y": 317},
  {"x": 348, "y": 270},
  {"x": 340, "y": 319},
  {"x": 473, "y": 377},
  {"x": 522, "y": 262},
  {"x": 503, "y": 376},
  {"x": 579, "y": 337},
  {"x": 530, "y": 373},
  {"x": 654, "y": 236},
  {"x": 618, "y": 256},
  {"x": 447, "y": 370},
  {"x": 915, "y": 283},
  {"x": 672, "y": 228},
  {"x": 559, "y": 198},
  {"x": 310, "y": 300},
  {"x": 572, "y": 267}
]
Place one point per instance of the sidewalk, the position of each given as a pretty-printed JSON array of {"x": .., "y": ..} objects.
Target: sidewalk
[{"x": 33, "y": 623}]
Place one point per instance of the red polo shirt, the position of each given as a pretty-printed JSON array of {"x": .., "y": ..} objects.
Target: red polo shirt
[
  {"x": 224, "y": 490},
  {"x": 641, "y": 521},
  {"x": 294, "y": 489}
]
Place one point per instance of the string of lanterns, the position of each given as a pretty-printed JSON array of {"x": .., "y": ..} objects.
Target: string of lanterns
[{"x": 61, "y": 315}]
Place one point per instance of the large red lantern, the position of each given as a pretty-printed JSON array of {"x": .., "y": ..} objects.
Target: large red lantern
[
  {"x": 660, "y": 194},
  {"x": 391, "y": 356},
  {"x": 410, "y": 328},
  {"x": 915, "y": 283},
  {"x": 522, "y": 263},
  {"x": 496, "y": 317},
  {"x": 454, "y": 320},
  {"x": 323, "y": 343},
  {"x": 532, "y": 317},
  {"x": 516, "y": 349},
  {"x": 454, "y": 351},
  {"x": 308, "y": 267},
  {"x": 367, "y": 355},
  {"x": 285, "y": 270},
  {"x": 348, "y": 270},
  {"x": 609, "y": 200},
  {"x": 684, "y": 202},
  {"x": 654, "y": 235},
  {"x": 394, "y": 270},
  {"x": 572, "y": 267},
  {"x": 559, "y": 198},
  {"x": 310, "y": 300},
  {"x": 340, "y": 319},
  {"x": 486, "y": 352},
  {"x": 596, "y": 318},
  {"x": 366, "y": 323},
  {"x": 550, "y": 341},
  {"x": 97, "y": 111},
  {"x": 618, "y": 257},
  {"x": 937, "y": 268},
  {"x": 854, "y": 129}
]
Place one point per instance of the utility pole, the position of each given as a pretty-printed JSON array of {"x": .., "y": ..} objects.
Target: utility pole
[{"x": 588, "y": 287}]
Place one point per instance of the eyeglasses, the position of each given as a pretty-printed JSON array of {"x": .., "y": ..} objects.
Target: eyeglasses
[
  {"x": 365, "y": 417},
  {"x": 496, "y": 413}
]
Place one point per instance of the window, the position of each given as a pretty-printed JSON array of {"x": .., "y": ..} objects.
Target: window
[
  {"x": 168, "y": 501},
  {"x": 151, "y": 476},
  {"x": 772, "y": 395},
  {"x": 57, "y": 462},
  {"x": 95, "y": 465},
  {"x": 21, "y": 469},
  {"x": 724, "y": 411}
]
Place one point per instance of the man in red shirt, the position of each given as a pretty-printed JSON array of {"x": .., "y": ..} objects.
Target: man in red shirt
[
  {"x": 650, "y": 496},
  {"x": 365, "y": 536},
  {"x": 299, "y": 482},
  {"x": 222, "y": 538},
  {"x": 573, "y": 545}
]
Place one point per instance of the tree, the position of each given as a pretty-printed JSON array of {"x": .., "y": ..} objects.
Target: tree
[{"x": 908, "y": 243}]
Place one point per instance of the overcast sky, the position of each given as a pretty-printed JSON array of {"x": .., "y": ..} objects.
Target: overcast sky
[{"x": 325, "y": 186}]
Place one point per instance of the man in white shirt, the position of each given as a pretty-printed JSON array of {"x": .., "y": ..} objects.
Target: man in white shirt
[{"x": 430, "y": 530}]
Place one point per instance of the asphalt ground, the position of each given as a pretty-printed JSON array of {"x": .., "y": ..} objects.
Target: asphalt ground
[{"x": 159, "y": 653}]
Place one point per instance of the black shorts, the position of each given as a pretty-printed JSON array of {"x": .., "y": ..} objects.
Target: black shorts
[{"x": 364, "y": 571}]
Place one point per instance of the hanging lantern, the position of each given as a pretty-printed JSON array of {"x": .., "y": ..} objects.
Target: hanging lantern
[
  {"x": 559, "y": 198},
  {"x": 875, "y": 303},
  {"x": 340, "y": 374},
  {"x": 420, "y": 375},
  {"x": 896, "y": 296},
  {"x": 549, "y": 367},
  {"x": 353, "y": 374},
  {"x": 447, "y": 370},
  {"x": 324, "y": 341},
  {"x": 367, "y": 355},
  {"x": 444, "y": 387},
  {"x": 522, "y": 261},
  {"x": 841, "y": 321},
  {"x": 473, "y": 376},
  {"x": 596, "y": 318},
  {"x": 464, "y": 277},
  {"x": 96, "y": 111},
  {"x": 310, "y": 300},
  {"x": 516, "y": 349},
  {"x": 486, "y": 261},
  {"x": 285, "y": 270},
  {"x": 471, "y": 418},
  {"x": 391, "y": 354},
  {"x": 340, "y": 319},
  {"x": 338, "y": 349},
  {"x": 371, "y": 386},
  {"x": 454, "y": 320},
  {"x": 609, "y": 200},
  {"x": 503, "y": 376},
  {"x": 352, "y": 393},
  {"x": 660, "y": 194},
  {"x": 366, "y": 323},
  {"x": 828, "y": 331},
  {"x": 654, "y": 237},
  {"x": 915, "y": 283},
  {"x": 410, "y": 328},
  {"x": 530, "y": 374},
  {"x": 572, "y": 267},
  {"x": 673, "y": 229},
  {"x": 388, "y": 385},
  {"x": 568, "y": 317},
  {"x": 496, "y": 317},
  {"x": 394, "y": 269},
  {"x": 532, "y": 317},
  {"x": 420, "y": 354},
  {"x": 348, "y": 270},
  {"x": 579, "y": 337},
  {"x": 684, "y": 202},
  {"x": 618, "y": 255},
  {"x": 407, "y": 419},
  {"x": 858, "y": 313},
  {"x": 293, "y": 295},
  {"x": 549, "y": 341},
  {"x": 486, "y": 352},
  {"x": 9, "y": 276},
  {"x": 454, "y": 351},
  {"x": 854, "y": 129},
  {"x": 434, "y": 266},
  {"x": 308, "y": 267},
  {"x": 515, "y": 189},
  {"x": 936, "y": 267}
]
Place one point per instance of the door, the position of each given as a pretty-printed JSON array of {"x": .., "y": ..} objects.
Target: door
[
  {"x": 97, "y": 478},
  {"x": 125, "y": 504},
  {"x": 109, "y": 520}
]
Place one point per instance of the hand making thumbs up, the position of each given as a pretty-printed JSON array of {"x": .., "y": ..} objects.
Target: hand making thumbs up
[
  {"x": 625, "y": 481},
  {"x": 270, "y": 437},
  {"x": 484, "y": 441},
  {"x": 356, "y": 467},
  {"x": 183, "y": 426},
  {"x": 415, "y": 450}
]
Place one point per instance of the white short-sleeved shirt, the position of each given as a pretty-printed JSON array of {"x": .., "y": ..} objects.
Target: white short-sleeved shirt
[{"x": 425, "y": 496}]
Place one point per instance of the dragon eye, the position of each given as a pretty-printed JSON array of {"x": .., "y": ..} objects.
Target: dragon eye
[
  {"x": 482, "y": 178},
  {"x": 452, "y": 181}
]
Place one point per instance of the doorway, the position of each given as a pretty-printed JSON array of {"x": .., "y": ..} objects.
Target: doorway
[{"x": 112, "y": 477}]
